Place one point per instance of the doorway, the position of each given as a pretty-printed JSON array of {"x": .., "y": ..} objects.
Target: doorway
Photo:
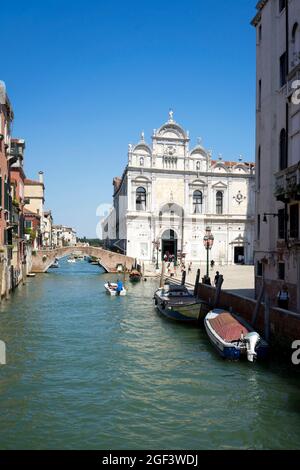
[
  {"x": 239, "y": 255},
  {"x": 169, "y": 244}
]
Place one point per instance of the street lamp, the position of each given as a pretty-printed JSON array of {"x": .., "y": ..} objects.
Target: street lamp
[
  {"x": 156, "y": 246},
  {"x": 208, "y": 241}
]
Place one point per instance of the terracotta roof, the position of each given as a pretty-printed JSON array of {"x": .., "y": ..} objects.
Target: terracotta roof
[
  {"x": 231, "y": 164},
  {"x": 33, "y": 182},
  {"x": 28, "y": 212}
]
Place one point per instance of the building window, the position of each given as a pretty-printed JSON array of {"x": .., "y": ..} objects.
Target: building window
[
  {"x": 283, "y": 150},
  {"x": 197, "y": 202},
  {"x": 141, "y": 199},
  {"x": 281, "y": 224},
  {"x": 294, "y": 221},
  {"x": 258, "y": 167},
  {"x": 283, "y": 69},
  {"x": 259, "y": 269},
  {"x": 282, "y": 5},
  {"x": 219, "y": 203},
  {"x": 295, "y": 45},
  {"x": 258, "y": 227},
  {"x": 260, "y": 33},
  {"x": 281, "y": 271},
  {"x": 28, "y": 224},
  {"x": 259, "y": 95}
]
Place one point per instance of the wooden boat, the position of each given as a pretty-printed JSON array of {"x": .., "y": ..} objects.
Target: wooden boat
[
  {"x": 233, "y": 337},
  {"x": 31, "y": 275},
  {"x": 178, "y": 303},
  {"x": 135, "y": 276},
  {"x": 111, "y": 289}
]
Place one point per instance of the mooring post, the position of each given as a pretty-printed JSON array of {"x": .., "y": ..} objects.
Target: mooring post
[
  {"x": 218, "y": 290},
  {"x": 183, "y": 277},
  {"x": 197, "y": 283},
  {"x": 162, "y": 281},
  {"x": 258, "y": 304},
  {"x": 267, "y": 317}
]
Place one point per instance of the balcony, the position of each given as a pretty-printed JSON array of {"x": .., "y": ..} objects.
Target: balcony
[{"x": 287, "y": 185}]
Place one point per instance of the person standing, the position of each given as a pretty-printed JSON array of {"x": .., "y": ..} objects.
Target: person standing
[
  {"x": 283, "y": 298},
  {"x": 217, "y": 277}
]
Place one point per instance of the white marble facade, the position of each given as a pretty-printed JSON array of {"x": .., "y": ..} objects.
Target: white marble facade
[{"x": 170, "y": 194}]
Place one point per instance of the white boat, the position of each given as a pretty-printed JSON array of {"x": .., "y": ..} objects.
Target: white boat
[
  {"x": 233, "y": 337},
  {"x": 111, "y": 288},
  {"x": 71, "y": 260}
]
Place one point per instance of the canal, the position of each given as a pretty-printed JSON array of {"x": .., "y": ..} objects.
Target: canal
[{"x": 87, "y": 371}]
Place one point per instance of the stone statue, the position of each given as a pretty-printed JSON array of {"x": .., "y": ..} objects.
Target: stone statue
[{"x": 171, "y": 115}]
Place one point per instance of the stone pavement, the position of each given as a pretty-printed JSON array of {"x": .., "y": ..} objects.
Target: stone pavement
[{"x": 237, "y": 279}]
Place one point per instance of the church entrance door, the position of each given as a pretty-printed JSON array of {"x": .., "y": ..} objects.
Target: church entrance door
[{"x": 169, "y": 244}]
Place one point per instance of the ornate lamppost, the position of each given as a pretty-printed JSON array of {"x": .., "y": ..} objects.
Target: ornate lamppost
[
  {"x": 208, "y": 241},
  {"x": 156, "y": 245}
]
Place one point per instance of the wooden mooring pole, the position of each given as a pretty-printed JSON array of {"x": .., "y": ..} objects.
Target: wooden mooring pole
[
  {"x": 197, "y": 283},
  {"x": 267, "y": 318},
  {"x": 218, "y": 290}
]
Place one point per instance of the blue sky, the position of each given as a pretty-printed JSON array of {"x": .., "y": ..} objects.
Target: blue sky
[{"x": 86, "y": 77}]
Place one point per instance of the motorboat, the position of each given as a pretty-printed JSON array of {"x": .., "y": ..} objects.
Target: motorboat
[
  {"x": 135, "y": 276},
  {"x": 178, "y": 303},
  {"x": 71, "y": 260},
  {"x": 233, "y": 337},
  {"x": 111, "y": 289}
]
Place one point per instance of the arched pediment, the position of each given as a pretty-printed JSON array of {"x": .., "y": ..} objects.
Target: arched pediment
[
  {"x": 142, "y": 149},
  {"x": 141, "y": 180},
  {"x": 171, "y": 207},
  {"x": 219, "y": 166},
  {"x": 171, "y": 130},
  {"x": 240, "y": 167},
  {"x": 198, "y": 152}
]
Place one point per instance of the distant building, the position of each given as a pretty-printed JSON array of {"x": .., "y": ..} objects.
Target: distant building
[
  {"x": 48, "y": 222},
  {"x": 63, "y": 236},
  {"x": 277, "y": 246},
  {"x": 17, "y": 179},
  {"x": 169, "y": 194}
]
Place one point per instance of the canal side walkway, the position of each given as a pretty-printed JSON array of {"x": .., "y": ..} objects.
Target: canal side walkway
[{"x": 237, "y": 279}]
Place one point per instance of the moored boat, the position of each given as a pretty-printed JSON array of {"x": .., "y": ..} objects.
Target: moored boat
[
  {"x": 135, "y": 276},
  {"x": 111, "y": 288},
  {"x": 178, "y": 303},
  {"x": 71, "y": 260},
  {"x": 233, "y": 337}
]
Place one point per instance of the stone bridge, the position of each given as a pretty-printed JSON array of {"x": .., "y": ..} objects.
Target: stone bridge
[{"x": 42, "y": 259}]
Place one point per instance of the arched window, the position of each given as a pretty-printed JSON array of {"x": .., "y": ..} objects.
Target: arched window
[
  {"x": 219, "y": 202},
  {"x": 141, "y": 199},
  {"x": 197, "y": 202},
  {"x": 283, "y": 150}
]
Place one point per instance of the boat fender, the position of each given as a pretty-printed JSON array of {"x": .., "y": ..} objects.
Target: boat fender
[
  {"x": 155, "y": 302},
  {"x": 163, "y": 305}
]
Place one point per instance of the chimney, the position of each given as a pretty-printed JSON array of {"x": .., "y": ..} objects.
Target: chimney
[{"x": 41, "y": 177}]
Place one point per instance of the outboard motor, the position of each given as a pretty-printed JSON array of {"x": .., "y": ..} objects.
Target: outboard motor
[{"x": 252, "y": 339}]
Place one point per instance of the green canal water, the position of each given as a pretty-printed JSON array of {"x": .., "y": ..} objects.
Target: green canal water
[{"x": 87, "y": 371}]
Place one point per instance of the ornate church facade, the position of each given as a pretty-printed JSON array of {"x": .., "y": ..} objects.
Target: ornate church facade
[{"x": 169, "y": 195}]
